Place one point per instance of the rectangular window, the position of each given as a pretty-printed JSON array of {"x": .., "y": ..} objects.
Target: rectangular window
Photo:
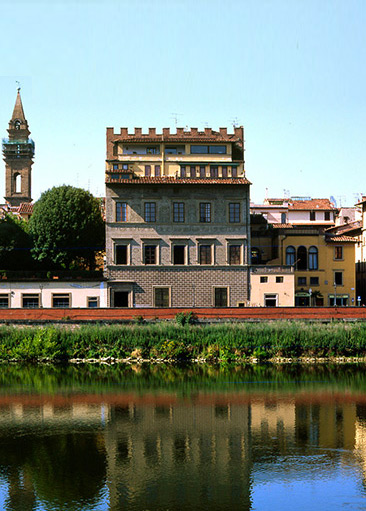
[
  {"x": 182, "y": 171},
  {"x": 301, "y": 281},
  {"x": 234, "y": 172},
  {"x": 150, "y": 212},
  {"x": 121, "y": 254},
  {"x": 326, "y": 215},
  {"x": 4, "y": 301},
  {"x": 179, "y": 252},
  {"x": 115, "y": 166},
  {"x": 150, "y": 254},
  {"x": 121, "y": 211},
  {"x": 221, "y": 296},
  {"x": 199, "y": 149},
  {"x": 202, "y": 171},
  {"x": 161, "y": 297},
  {"x": 338, "y": 253},
  {"x": 175, "y": 150},
  {"x": 234, "y": 212},
  {"x": 263, "y": 280},
  {"x": 234, "y": 254},
  {"x": 283, "y": 218},
  {"x": 338, "y": 278},
  {"x": 157, "y": 170},
  {"x": 205, "y": 254},
  {"x": 224, "y": 171},
  {"x": 214, "y": 171},
  {"x": 178, "y": 211},
  {"x": 193, "y": 171},
  {"x": 205, "y": 212},
  {"x": 93, "y": 302},
  {"x": 147, "y": 170},
  {"x": 279, "y": 280},
  {"x": 312, "y": 216},
  {"x": 314, "y": 281},
  {"x": 61, "y": 301},
  {"x": 30, "y": 301},
  {"x": 125, "y": 166}
]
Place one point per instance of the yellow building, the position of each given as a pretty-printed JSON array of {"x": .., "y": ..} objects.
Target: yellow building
[{"x": 324, "y": 266}]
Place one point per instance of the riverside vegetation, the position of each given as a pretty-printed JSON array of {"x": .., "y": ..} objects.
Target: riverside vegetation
[{"x": 183, "y": 341}]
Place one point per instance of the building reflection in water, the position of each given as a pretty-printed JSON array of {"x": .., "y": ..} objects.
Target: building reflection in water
[{"x": 167, "y": 453}]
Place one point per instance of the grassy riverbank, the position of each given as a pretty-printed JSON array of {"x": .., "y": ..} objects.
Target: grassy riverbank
[{"x": 169, "y": 340}]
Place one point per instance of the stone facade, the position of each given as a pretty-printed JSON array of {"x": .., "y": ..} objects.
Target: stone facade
[{"x": 180, "y": 239}]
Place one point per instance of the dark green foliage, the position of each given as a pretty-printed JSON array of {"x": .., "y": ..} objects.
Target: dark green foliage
[
  {"x": 185, "y": 318},
  {"x": 15, "y": 244},
  {"x": 67, "y": 228}
]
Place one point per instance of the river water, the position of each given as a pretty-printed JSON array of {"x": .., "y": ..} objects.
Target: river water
[{"x": 191, "y": 438}]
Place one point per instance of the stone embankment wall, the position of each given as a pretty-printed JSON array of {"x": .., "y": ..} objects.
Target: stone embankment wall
[{"x": 207, "y": 314}]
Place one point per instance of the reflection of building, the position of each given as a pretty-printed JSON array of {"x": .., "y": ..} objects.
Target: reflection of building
[{"x": 177, "y": 213}]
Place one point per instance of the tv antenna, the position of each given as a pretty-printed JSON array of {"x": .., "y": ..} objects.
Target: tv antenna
[
  {"x": 174, "y": 116},
  {"x": 234, "y": 122}
]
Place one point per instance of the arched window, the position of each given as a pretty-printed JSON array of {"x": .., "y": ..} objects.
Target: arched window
[
  {"x": 313, "y": 258},
  {"x": 290, "y": 255},
  {"x": 256, "y": 255},
  {"x": 18, "y": 183},
  {"x": 17, "y": 124},
  {"x": 302, "y": 258}
]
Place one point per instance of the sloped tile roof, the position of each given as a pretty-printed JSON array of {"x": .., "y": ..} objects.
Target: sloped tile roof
[
  {"x": 341, "y": 239},
  {"x": 25, "y": 207},
  {"x": 312, "y": 204}
]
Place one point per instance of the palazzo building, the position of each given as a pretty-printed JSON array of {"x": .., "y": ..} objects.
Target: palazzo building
[{"x": 177, "y": 218}]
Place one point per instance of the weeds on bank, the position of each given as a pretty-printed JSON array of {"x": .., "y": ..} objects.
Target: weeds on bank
[{"x": 182, "y": 340}]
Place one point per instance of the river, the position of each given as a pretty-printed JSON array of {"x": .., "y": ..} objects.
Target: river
[{"x": 157, "y": 438}]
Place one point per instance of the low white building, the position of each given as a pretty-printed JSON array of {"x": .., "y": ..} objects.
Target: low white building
[
  {"x": 53, "y": 293},
  {"x": 272, "y": 286}
]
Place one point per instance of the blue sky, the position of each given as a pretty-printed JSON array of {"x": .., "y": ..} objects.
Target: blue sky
[{"x": 292, "y": 72}]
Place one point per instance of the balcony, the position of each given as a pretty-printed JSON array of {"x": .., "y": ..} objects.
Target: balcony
[{"x": 18, "y": 148}]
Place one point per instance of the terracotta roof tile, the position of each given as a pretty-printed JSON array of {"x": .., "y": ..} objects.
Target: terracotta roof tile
[
  {"x": 282, "y": 226},
  {"x": 180, "y": 181},
  {"x": 26, "y": 207},
  {"x": 313, "y": 204},
  {"x": 341, "y": 239}
]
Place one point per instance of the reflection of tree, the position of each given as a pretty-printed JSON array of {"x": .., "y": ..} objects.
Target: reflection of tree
[
  {"x": 68, "y": 469},
  {"x": 64, "y": 470}
]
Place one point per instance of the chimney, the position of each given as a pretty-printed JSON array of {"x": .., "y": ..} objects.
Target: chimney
[
  {"x": 166, "y": 132},
  {"x": 194, "y": 131},
  {"x": 239, "y": 132},
  {"x": 138, "y": 131},
  {"x": 152, "y": 132},
  {"x": 124, "y": 132},
  {"x": 223, "y": 132},
  {"x": 180, "y": 131}
]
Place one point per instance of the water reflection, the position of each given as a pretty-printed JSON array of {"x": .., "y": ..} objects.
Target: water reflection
[{"x": 111, "y": 439}]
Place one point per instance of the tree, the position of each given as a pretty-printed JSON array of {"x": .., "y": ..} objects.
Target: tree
[
  {"x": 67, "y": 228},
  {"x": 15, "y": 244}
]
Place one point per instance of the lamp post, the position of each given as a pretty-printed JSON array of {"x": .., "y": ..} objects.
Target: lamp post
[{"x": 310, "y": 293}]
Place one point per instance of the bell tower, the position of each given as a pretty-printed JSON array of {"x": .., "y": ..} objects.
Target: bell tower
[{"x": 18, "y": 152}]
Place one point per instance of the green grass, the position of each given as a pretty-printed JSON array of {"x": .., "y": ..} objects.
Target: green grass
[{"x": 168, "y": 340}]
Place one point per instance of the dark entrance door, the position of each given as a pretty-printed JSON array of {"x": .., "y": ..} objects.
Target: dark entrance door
[{"x": 121, "y": 298}]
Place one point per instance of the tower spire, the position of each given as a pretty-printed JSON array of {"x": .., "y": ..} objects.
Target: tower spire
[
  {"x": 18, "y": 152},
  {"x": 18, "y": 112}
]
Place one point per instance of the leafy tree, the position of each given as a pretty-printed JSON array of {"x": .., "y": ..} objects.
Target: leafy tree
[
  {"x": 15, "y": 244},
  {"x": 67, "y": 228}
]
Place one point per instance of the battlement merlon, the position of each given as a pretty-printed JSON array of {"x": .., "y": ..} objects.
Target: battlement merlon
[{"x": 181, "y": 135}]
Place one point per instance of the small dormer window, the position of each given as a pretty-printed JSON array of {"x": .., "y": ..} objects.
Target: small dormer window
[{"x": 17, "y": 124}]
